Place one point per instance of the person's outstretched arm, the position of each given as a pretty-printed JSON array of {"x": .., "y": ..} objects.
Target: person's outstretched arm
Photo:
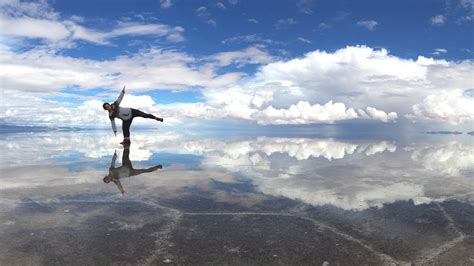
[
  {"x": 122, "y": 93},
  {"x": 114, "y": 128}
]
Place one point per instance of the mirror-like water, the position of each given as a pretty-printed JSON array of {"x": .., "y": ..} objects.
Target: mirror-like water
[{"x": 80, "y": 198}]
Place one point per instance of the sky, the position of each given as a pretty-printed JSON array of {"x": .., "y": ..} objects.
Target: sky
[{"x": 242, "y": 63}]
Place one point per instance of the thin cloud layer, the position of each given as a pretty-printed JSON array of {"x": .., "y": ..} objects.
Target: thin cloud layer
[{"x": 37, "y": 20}]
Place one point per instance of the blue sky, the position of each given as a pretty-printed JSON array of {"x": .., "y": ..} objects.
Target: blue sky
[
  {"x": 403, "y": 27},
  {"x": 260, "y": 62}
]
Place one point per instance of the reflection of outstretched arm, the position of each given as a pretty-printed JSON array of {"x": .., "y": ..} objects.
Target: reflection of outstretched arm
[
  {"x": 114, "y": 158},
  {"x": 119, "y": 186},
  {"x": 147, "y": 170}
]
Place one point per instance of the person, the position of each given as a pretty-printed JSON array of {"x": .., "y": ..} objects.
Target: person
[
  {"x": 127, "y": 115},
  {"x": 125, "y": 171}
]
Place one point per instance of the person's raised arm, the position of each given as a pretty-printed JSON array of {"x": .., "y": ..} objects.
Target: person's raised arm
[{"x": 122, "y": 93}]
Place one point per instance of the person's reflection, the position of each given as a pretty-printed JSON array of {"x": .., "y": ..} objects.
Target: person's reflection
[{"x": 125, "y": 171}]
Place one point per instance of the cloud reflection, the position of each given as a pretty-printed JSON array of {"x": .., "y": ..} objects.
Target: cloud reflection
[{"x": 352, "y": 175}]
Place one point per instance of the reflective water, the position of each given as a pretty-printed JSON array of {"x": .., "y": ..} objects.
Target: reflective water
[{"x": 80, "y": 198}]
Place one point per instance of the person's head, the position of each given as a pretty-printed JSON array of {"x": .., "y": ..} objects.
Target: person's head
[
  {"x": 107, "y": 179},
  {"x": 107, "y": 106}
]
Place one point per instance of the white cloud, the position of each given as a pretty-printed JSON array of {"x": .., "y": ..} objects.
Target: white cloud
[
  {"x": 323, "y": 26},
  {"x": 33, "y": 28},
  {"x": 360, "y": 77},
  {"x": 373, "y": 113},
  {"x": 202, "y": 11},
  {"x": 252, "y": 20},
  {"x": 439, "y": 51},
  {"x": 305, "y": 113},
  {"x": 251, "y": 38},
  {"x": 303, "y": 40},
  {"x": 320, "y": 87},
  {"x": 453, "y": 107},
  {"x": 36, "y": 9},
  {"x": 284, "y": 23},
  {"x": 250, "y": 55},
  {"x": 145, "y": 70},
  {"x": 212, "y": 22},
  {"x": 437, "y": 20},
  {"x": 221, "y": 5},
  {"x": 39, "y": 21},
  {"x": 305, "y": 6},
  {"x": 165, "y": 4},
  {"x": 173, "y": 34},
  {"x": 368, "y": 24}
]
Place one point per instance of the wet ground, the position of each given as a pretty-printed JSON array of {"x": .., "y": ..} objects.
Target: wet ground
[{"x": 81, "y": 199}]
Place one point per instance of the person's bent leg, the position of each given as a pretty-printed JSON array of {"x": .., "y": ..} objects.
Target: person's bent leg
[{"x": 138, "y": 113}]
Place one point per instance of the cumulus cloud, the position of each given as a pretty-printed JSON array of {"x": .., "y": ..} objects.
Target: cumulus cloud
[
  {"x": 368, "y": 24},
  {"x": 305, "y": 113},
  {"x": 373, "y": 113},
  {"x": 236, "y": 105},
  {"x": 359, "y": 77},
  {"x": 453, "y": 107},
  {"x": 351, "y": 83}
]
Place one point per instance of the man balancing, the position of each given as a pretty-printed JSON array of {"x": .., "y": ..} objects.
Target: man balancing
[{"x": 126, "y": 114}]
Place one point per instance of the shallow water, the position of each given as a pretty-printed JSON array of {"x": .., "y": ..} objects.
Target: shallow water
[{"x": 195, "y": 199}]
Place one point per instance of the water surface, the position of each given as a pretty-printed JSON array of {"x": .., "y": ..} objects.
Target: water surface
[{"x": 80, "y": 198}]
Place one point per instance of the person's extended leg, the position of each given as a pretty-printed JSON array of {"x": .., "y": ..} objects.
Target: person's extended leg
[
  {"x": 138, "y": 113},
  {"x": 126, "y": 131}
]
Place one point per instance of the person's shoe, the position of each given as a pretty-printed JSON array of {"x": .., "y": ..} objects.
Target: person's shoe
[
  {"x": 125, "y": 142},
  {"x": 159, "y": 119}
]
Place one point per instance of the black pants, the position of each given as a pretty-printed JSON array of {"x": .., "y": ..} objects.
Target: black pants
[{"x": 127, "y": 123}]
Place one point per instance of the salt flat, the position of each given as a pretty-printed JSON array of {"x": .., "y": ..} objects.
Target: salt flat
[{"x": 194, "y": 199}]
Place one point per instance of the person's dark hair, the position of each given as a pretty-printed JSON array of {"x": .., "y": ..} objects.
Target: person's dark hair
[
  {"x": 103, "y": 105},
  {"x": 106, "y": 179}
]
